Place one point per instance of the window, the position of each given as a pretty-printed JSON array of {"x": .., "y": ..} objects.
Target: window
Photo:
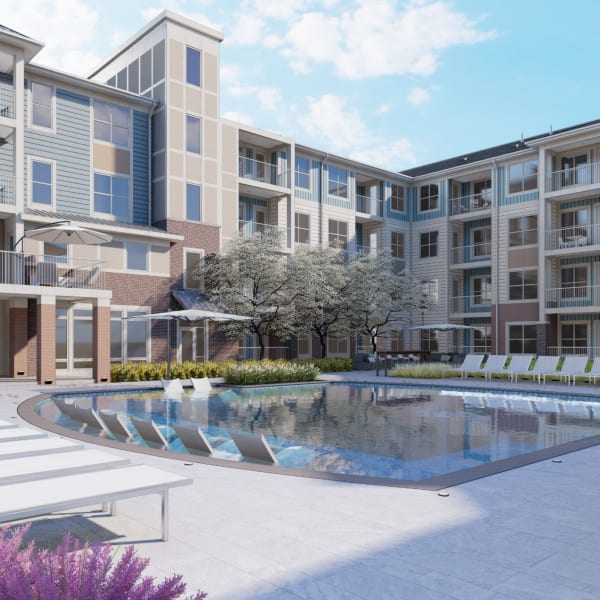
[
  {"x": 128, "y": 337},
  {"x": 482, "y": 290},
  {"x": 429, "y": 243},
  {"x": 574, "y": 169},
  {"x": 137, "y": 256},
  {"x": 482, "y": 242},
  {"x": 302, "y": 228},
  {"x": 522, "y": 231},
  {"x": 396, "y": 341},
  {"x": 573, "y": 282},
  {"x": 338, "y": 181},
  {"x": 574, "y": 337},
  {"x": 41, "y": 182},
  {"x": 397, "y": 198},
  {"x": 194, "y": 343},
  {"x": 193, "y": 202},
  {"x": 41, "y": 105},
  {"x": 111, "y": 124},
  {"x": 522, "y": 285},
  {"x": 574, "y": 228},
  {"x": 338, "y": 233},
  {"x": 429, "y": 340},
  {"x": 482, "y": 338},
  {"x": 337, "y": 345},
  {"x": 304, "y": 345},
  {"x": 302, "y": 172},
  {"x": 522, "y": 177},
  {"x": 193, "y": 134},
  {"x": 482, "y": 193},
  {"x": 111, "y": 195},
  {"x": 193, "y": 66},
  {"x": 193, "y": 259},
  {"x": 429, "y": 196},
  {"x": 397, "y": 244},
  {"x": 522, "y": 339},
  {"x": 430, "y": 291}
]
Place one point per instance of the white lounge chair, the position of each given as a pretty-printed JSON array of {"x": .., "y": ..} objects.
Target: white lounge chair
[
  {"x": 149, "y": 432},
  {"x": 544, "y": 366},
  {"x": 7, "y": 425},
  {"x": 172, "y": 387},
  {"x": 494, "y": 365},
  {"x": 91, "y": 419},
  {"x": 116, "y": 424},
  {"x": 573, "y": 367},
  {"x": 519, "y": 363},
  {"x": 201, "y": 385},
  {"x": 193, "y": 439},
  {"x": 594, "y": 371},
  {"x": 34, "y": 498},
  {"x": 253, "y": 447},
  {"x": 20, "y": 433},
  {"x": 35, "y": 447},
  {"x": 471, "y": 364}
]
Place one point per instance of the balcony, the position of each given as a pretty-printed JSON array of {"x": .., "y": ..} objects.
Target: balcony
[
  {"x": 569, "y": 299},
  {"x": 7, "y": 189},
  {"x": 574, "y": 236},
  {"x": 263, "y": 172},
  {"x": 250, "y": 229},
  {"x": 579, "y": 176},
  {"x": 7, "y": 102},
  {"x": 473, "y": 253},
  {"x": 17, "y": 268},
  {"x": 368, "y": 208},
  {"x": 474, "y": 203},
  {"x": 467, "y": 305}
]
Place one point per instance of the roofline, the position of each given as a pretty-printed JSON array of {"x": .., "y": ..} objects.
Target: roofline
[
  {"x": 165, "y": 15},
  {"x": 18, "y": 40}
]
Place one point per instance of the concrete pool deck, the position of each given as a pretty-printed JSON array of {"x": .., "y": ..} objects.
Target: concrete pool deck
[{"x": 526, "y": 533}]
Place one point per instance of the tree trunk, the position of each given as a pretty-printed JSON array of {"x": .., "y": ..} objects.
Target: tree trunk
[
  {"x": 373, "y": 344},
  {"x": 323, "y": 340}
]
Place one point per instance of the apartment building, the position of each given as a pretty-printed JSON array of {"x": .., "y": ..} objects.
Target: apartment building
[{"x": 504, "y": 240}]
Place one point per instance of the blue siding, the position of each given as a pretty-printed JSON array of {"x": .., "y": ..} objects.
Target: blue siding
[
  {"x": 430, "y": 214},
  {"x": 392, "y": 214},
  {"x": 140, "y": 175},
  {"x": 249, "y": 204},
  {"x": 315, "y": 184},
  {"x": 505, "y": 200},
  {"x": 70, "y": 148}
]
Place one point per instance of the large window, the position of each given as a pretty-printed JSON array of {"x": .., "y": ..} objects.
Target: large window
[
  {"x": 430, "y": 340},
  {"x": 194, "y": 343},
  {"x": 338, "y": 233},
  {"x": 522, "y": 339},
  {"x": 429, "y": 197},
  {"x": 482, "y": 193},
  {"x": 574, "y": 228},
  {"x": 137, "y": 256},
  {"x": 302, "y": 172},
  {"x": 522, "y": 176},
  {"x": 41, "y": 182},
  {"x": 574, "y": 337},
  {"x": 574, "y": 169},
  {"x": 522, "y": 231},
  {"x": 41, "y": 105},
  {"x": 337, "y": 345},
  {"x": 193, "y": 134},
  {"x": 522, "y": 285},
  {"x": 193, "y": 259},
  {"x": 397, "y": 244},
  {"x": 111, "y": 124},
  {"x": 128, "y": 337},
  {"x": 430, "y": 291},
  {"x": 111, "y": 195},
  {"x": 429, "y": 244},
  {"x": 193, "y": 202},
  {"x": 397, "y": 198},
  {"x": 573, "y": 282},
  {"x": 482, "y": 242},
  {"x": 338, "y": 181},
  {"x": 302, "y": 228},
  {"x": 193, "y": 66}
]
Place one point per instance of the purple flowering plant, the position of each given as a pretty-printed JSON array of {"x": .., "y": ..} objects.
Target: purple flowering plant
[{"x": 73, "y": 571}]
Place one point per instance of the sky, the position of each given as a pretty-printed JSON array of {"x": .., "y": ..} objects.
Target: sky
[{"x": 395, "y": 84}]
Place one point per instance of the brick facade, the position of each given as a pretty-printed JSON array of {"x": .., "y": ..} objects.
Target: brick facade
[
  {"x": 46, "y": 343},
  {"x": 101, "y": 343},
  {"x": 18, "y": 342}
]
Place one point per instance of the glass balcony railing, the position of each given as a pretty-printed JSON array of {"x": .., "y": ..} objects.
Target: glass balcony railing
[
  {"x": 263, "y": 172},
  {"x": 579, "y": 175},
  {"x": 369, "y": 206},
  {"x": 471, "y": 203},
  {"x": 470, "y": 304},
  {"x": 471, "y": 253}
]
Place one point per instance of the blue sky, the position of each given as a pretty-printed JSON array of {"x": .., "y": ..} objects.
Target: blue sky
[{"x": 392, "y": 83}]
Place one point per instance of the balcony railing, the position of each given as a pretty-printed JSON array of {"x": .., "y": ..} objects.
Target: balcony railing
[
  {"x": 471, "y": 253},
  {"x": 369, "y": 206},
  {"x": 586, "y": 174},
  {"x": 264, "y": 172},
  {"x": 571, "y": 350},
  {"x": 584, "y": 296},
  {"x": 471, "y": 203},
  {"x": 7, "y": 189},
  {"x": 17, "y": 268},
  {"x": 470, "y": 304},
  {"x": 7, "y": 102},
  {"x": 574, "y": 236}
]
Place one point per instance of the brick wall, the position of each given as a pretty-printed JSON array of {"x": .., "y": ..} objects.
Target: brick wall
[
  {"x": 18, "y": 342},
  {"x": 46, "y": 343}
]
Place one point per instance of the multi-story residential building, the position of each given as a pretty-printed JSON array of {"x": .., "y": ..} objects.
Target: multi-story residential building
[{"x": 504, "y": 240}]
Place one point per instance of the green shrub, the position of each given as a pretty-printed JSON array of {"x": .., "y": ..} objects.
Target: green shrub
[
  {"x": 269, "y": 371},
  {"x": 423, "y": 371},
  {"x": 328, "y": 365},
  {"x": 141, "y": 371}
]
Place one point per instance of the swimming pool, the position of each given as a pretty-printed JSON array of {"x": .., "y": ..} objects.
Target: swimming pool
[{"x": 423, "y": 437}]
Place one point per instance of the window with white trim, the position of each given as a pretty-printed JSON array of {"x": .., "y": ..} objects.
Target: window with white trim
[
  {"x": 397, "y": 198},
  {"x": 111, "y": 195},
  {"x": 193, "y": 66},
  {"x": 42, "y": 188},
  {"x": 522, "y": 339},
  {"x": 522, "y": 176},
  {"x": 302, "y": 228},
  {"x": 193, "y": 134},
  {"x": 111, "y": 124},
  {"x": 482, "y": 338},
  {"x": 430, "y": 340},
  {"x": 136, "y": 256},
  {"x": 482, "y": 290},
  {"x": 482, "y": 241},
  {"x": 304, "y": 346},
  {"x": 338, "y": 233},
  {"x": 574, "y": 282},
  {"x": 429, "y": 197},
  {"x": 128, "y": 337},
  {"x": 192, "y": 259},
  {"x": 302, "y": 172},
  {"x": 41, "y": 105},
  {"x": 574, "y": 337},
  {"x": 522, "y": 231},
  {"x": 337, "y": 345},
  {"x": 193, "y": 202},
  {"x": 522, "y": 285},
  {"x": 338, "y": 181},
  {"x": 429, "y": 244}
]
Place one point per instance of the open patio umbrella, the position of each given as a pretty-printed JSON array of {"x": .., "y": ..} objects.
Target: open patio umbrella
[
  {"x": 188, "y": 316},
  {"x": 65, "y": 233}
]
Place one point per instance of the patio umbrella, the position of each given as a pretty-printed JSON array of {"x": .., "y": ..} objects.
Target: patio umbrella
[
  {"x": 188, "y": 316},
  {"x": 65, "y": 233},
  {"x": 442, "y": 327}
]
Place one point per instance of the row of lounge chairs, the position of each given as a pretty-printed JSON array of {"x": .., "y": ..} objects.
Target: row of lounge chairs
[
  {"x": 520, "y": 365},
  {"x": 41, "y": 475}
]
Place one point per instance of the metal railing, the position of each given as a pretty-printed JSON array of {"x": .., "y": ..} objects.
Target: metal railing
[
  {"x": 585, "y": 174},
  {"x": 470, "y": 304},
  {"x": 7, "y": 102},
  {"x": 573, "y": 296},
  {"x": 471, "y": 253},
  {"x": 248, "y": 229},
  {"x": 264, "y": 172},
  {"x": 18, "y": 268},
  {"x": 369, "y": 206},
  {"x": 571, "y": 350},
  {"x": 573, "y": 236},
  {"x": 7, "y": 189},
  {"x": 272, "y": 352},
  {"x": 471, "y": 203}
]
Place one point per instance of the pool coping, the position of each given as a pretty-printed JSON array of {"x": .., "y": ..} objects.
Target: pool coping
[{"x": 26, "y": 410}]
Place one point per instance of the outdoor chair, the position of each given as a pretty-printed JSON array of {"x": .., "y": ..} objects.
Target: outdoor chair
[
  {"x": 193, "y": 439},
  {"x": 172, "y": 387},
  {"x": 253, "y": 447},
  {"x": 494, "y": 365},
  {"x": 594, "y": 371},
  {"x": 471, "y": 363},
  {"x": 201, "y": 385},
  {"x": 116, "y": 424},
  {"x": 150, "y": 432},
  {"x": 519, "y": 364},
  {"x": 573, "y": 367},
  {"x": 545, "y": 366}
]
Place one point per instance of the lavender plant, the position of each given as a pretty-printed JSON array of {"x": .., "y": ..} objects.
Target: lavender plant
[{"x": 76, "y": 572}]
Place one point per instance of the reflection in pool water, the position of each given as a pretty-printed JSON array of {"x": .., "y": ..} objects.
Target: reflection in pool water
[{"x": 377, "y": 431}]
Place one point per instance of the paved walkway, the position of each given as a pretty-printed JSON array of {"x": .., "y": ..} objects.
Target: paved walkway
[{"x": 530, "y": 533}]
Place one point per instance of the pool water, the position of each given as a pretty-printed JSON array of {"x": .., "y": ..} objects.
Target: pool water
[{"x": 388, "y": 432}]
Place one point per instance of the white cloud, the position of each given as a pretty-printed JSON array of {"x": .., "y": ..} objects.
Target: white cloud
[
  {"x": 247, "y": 29},
  {"x": 418, "y": 96},
  {"x": 391, "y": 156},
  {"x": 383, "y": 108},
  {"x": 269, "y": 98}
]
